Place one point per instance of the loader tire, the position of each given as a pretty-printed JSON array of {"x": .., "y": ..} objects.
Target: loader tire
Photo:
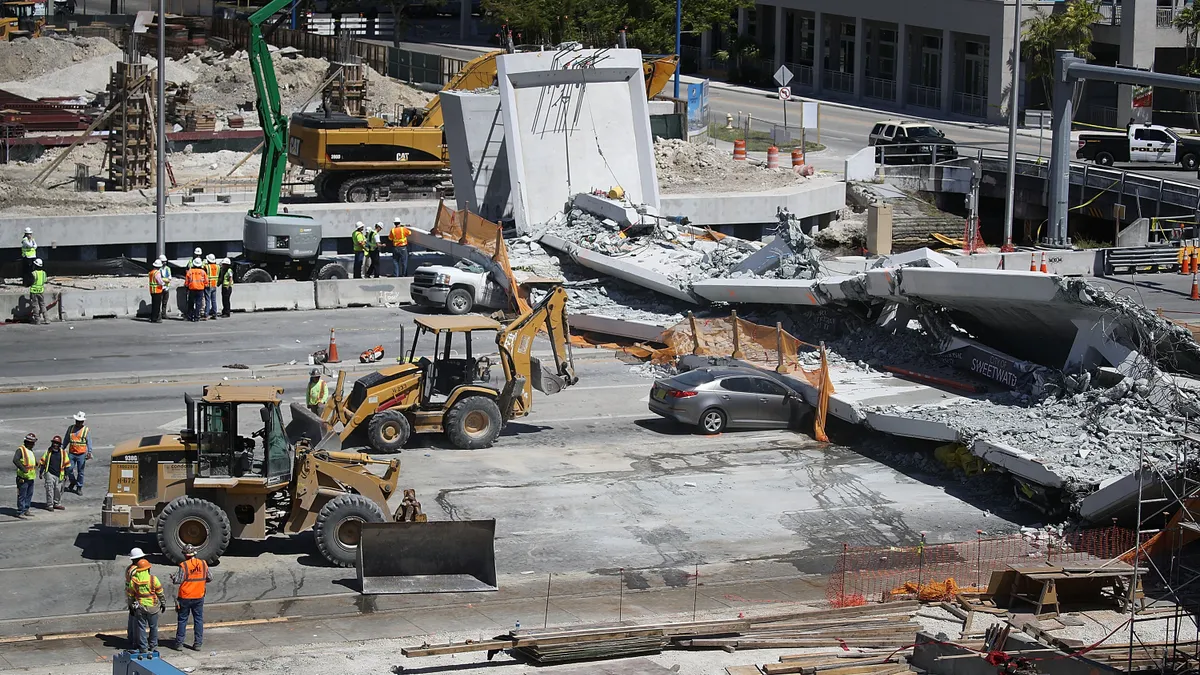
[
  {"x": 473, "y": 423},
  {"x": 339, "y": 527},
  {"x": 388, "y": 431},
  {"x": 199, "y": 522}
]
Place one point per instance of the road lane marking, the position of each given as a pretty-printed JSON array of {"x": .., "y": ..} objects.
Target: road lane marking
[
  {"x": 175, "y": 424},
  {"x": 101, "y": 414}
]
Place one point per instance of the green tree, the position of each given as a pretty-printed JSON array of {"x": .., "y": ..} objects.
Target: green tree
[
  {"x": 1045, "y": 33},
  {"x": 1187, "y": 21}
]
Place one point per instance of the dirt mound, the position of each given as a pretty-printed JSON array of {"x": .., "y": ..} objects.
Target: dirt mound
[
  {"x": 692, "y": 167},
  {"x": 25, "y": 59}
]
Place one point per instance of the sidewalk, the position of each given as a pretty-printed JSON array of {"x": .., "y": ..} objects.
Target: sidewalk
[{"x": 582, "y": 599}]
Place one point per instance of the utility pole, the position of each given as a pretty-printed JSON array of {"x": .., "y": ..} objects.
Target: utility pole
[
  {"x": 678, "y": 42},
  {"x": 1014, "y": 109},
  {"x": 160, "y": 143}
]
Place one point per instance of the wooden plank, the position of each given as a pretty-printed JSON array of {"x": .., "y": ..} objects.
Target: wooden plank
[
  {"x": 458, "y": 648},
  {"x": 742, "y": 670},
  {"x": 960, "y": 613}
]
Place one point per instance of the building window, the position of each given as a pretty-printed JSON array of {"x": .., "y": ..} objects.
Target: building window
[
  {"x": 975, "y": 75},
  {"x": 846, "y": 48},
  {"x": 806, "y": 40},
  {"x": 752, "y": 22},
  {"x": 931, "y": 61},
  {"x": 887, "y": 54}
]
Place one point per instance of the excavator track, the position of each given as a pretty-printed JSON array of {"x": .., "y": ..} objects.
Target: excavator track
[{"x": 385, "y": 186}]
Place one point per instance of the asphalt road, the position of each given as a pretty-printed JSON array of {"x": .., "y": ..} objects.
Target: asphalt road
[{"x": 590, "y": 481}]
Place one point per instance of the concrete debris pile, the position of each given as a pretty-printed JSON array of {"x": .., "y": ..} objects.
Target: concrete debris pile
[
  {"x": 685, "y": 168},
  {"x": 226, "y": 85},
  {"x": 56, "y": 74},
  {"x": 22, "y": 60},
  {"x": 792, "y": 255}
]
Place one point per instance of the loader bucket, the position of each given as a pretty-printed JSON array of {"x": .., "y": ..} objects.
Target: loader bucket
[{"x": 429, "y": 557}]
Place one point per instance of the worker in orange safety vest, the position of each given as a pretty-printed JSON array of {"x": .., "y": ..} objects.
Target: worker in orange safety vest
[
  {"x": 196, "y": 281},
  {"x": 192, "y": 577},
  {"x": 213, "y": 269},
  {"x": 399, "y": 237}
]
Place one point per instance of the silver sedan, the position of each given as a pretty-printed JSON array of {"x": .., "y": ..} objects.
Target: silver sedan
[{"x": 715, "y": 399}]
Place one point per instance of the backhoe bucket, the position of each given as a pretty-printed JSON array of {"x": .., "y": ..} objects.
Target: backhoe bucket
[
  {"x": 306, "y": 425},
  {"x": 543, "y": 379},
  {"x": 429, "y": 557}
]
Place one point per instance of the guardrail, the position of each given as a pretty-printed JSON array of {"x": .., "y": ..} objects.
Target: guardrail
[{"x": 1148, "y": 259}]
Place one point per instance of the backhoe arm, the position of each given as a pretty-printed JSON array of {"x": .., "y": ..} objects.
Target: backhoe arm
[
  {"x": 522, "y": 371},
  {"x": 270, "y": 114}
]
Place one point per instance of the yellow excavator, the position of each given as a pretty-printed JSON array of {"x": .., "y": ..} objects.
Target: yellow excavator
[
  {"x": 453, "y": 393},
  {"x": 369, "y": 159},
  {"x": 212, "y": 483}
]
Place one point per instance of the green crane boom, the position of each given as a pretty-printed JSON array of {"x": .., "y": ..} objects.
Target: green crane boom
[{"x": 270, "y": 116}]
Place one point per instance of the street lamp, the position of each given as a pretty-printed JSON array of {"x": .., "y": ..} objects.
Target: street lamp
[
  {"x": 1014, "y": 108},
  {"x": 678, "y": 46}
]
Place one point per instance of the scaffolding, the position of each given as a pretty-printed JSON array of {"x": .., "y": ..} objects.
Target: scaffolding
[{"x": 129, "y": 149}]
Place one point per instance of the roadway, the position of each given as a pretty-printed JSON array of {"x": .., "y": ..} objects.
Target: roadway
[{"x": 590, "y": 481}]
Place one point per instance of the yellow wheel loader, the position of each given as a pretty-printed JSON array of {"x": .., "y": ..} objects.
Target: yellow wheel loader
[
  {"x": 213, "y": 483},
  {"x": 453, "y": 393}
]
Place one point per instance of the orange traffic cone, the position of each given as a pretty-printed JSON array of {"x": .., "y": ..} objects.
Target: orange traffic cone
[
  {"x": 1196, "y": 260},
  {"x": 1185, "y": 261},
  {"x": 333, "y": 355},
  {"x": 1195, "y": 288},
  {"x": 1032, "y": 262},
  {"x": 1043, "y": 270}
]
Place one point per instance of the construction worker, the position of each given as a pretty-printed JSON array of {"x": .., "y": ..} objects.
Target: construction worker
[
  {"x": 28, "y": 255},
  {"x": 399, "y": 239},
  {"x": 79, "y": 450},
  {"x": 144, "y": 593},
  {"x": 156, "y": 291},
  {"x": 359, "y": 238},
  {"x": 318, "y": 391},
  {"x": 53, "y": 469},
  {"x": 26, "y": 464},
  {"x": 213, "y": 269},
  {"x": 192, "y": 578},
  {"x": 37, "y": 293},
  {"x": 373, "y": 244},
  {"x": 165, "y": 274},
  {"x": 131, "y": 625},
  {"x": 196, "y": 281},
  {"x": 226, "y": 285}
]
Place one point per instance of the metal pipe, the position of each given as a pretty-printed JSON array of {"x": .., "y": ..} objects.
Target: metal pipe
[
  {"x": 1014, "y": 109},
  {"x": 678, "y": 42},
  {"x": 160, "y": 143}
]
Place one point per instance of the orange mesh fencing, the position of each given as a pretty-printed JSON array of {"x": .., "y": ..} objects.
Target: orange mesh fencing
[
  {"x": 470, "y": 229},
  {"x": 875, "y": 573}
]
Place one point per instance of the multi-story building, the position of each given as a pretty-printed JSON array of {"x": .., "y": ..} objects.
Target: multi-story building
[{"x": 946, "y": 58}]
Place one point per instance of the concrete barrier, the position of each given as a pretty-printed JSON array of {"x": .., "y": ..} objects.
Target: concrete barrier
[
  {"x": 860, "y": 166},
  {"x": 104, "y": 304},
  {"x": 278, "y": 295},
  {"x": 14, "y": 306},
  {"x": 813, "y": 198},
  {"x": 1066, "y": 263},
  {"x": 337, "y": 293}
]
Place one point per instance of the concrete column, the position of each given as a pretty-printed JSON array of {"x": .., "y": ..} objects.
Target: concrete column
[
  {"x": 743, "y": 19},
  {"x": 948, "y": 55},
  {"x": 999, "y": 50},
  {"x": 860, "y": 56},
  {"x": 1138, "y": 33},
  {"x": 779, "y": 35},
  {"x": 705, "y": 48},
  {"x": 818, "y": 50},
  {"x": 901, "y": 64},
  {"x": 464, "y": 19}
]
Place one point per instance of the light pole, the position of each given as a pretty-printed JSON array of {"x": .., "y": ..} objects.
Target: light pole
[
  {"x": 160, "y": 142},
  {"x": 678, "y": 46},
  {"x": 1014, "y": 109}
]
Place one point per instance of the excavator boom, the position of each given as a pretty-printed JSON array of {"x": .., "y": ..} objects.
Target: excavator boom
[{"x": 524, "y": 372}]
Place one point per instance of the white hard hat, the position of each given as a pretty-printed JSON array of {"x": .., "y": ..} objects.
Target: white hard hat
[
  {"x": 29, "y": 230},
  {"x": 397, "y": 220},
  {"x": 158, "y": 263},
  {"x": 197, "y": 251},
  {"x": 79, "y": 416},
  {"x": 359, "y": 225},
  {"x": 136, "y": 554},
  {"x": 162, "y": 258},
  {"x": 226, "y": 261},
  {"x": 211, "y": 258},
  {"x": 38, "y": 262},
  {"x": 196, "y": 262}
]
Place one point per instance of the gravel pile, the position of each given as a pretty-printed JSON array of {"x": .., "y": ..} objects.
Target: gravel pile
[
  {"x": 685, "y": 168},
  {"x": 85, "y": 79},
  {"x": 24, "y": 59}
]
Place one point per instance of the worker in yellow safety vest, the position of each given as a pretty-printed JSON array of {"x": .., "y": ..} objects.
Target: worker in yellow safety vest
[
  {"x": 37, "y": 293},
  {"x": 53, "y": 469},
  {"x": 373, "y": 245},
  {"x": 28, "y": 255},
  {"x": 165, "y": 274},
  {"x": 157, "y": 288},
  {"x": 226, "y": 285},
  {"x": 213, "y": 269},
  {"x": 318, "y": 391},
  {"x": 26, "y": 464},
  {"x": 144, "y": 594},
  {"x": 359, "y": 238},
  {"x": 399, "y": 237}
]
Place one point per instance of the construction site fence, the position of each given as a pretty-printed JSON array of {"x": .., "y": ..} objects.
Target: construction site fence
[
  {"x": 402, "y": 64},
  {"x": 867, "y": 574}
]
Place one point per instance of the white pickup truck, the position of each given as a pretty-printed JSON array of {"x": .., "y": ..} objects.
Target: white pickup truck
[{"x": 458, "y": 289}]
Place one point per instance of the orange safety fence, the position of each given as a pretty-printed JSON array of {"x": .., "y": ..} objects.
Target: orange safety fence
[
  {"x": 470, "y": 229},
  {"x": 870, "y": 574}
]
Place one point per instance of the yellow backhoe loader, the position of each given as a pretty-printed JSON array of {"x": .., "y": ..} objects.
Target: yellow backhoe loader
[
  {"x": 454, "y": 393},
  {"x": 212, "y": 483}
]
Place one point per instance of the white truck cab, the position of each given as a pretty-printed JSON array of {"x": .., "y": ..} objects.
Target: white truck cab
[{"x": 458, "y": 289}]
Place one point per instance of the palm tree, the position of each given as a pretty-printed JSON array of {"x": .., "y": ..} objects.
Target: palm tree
[
  {"x": 1187, "y": 21},
  {"x": 1047, "y": 32}
]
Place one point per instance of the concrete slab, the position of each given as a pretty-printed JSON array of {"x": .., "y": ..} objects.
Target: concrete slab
[
  {"x": 812, "y": 198},
  {"x": 637, "y": 330},
  {"x": 620, "y": 268},
  {"x": 759, "y": 291},
  {"x": 478, "y": 154},
  {"x": 575, "y": 120},
  {"x": 921, "y": 257},
  {"x": 1017, "y": 462},
  {"x": 620, "y": 211}
]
